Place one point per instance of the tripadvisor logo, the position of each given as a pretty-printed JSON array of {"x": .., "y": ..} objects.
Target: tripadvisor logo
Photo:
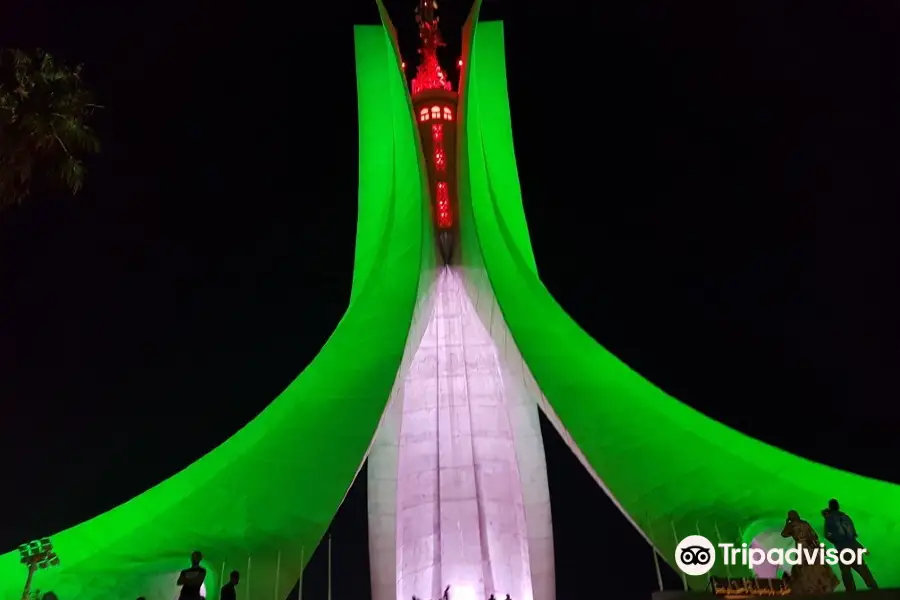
[{"x": 695, "y": 555}]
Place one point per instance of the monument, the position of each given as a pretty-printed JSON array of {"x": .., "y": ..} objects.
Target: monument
[{"x": 448, "y": 349}]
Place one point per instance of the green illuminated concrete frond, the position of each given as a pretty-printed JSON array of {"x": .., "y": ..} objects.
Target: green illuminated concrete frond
[
  {"x": 672, "y": 470},
  {"x": 268, "y": 494}
]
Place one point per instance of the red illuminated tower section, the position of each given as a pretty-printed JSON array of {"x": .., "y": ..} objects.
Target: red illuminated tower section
[{"x": 435, "y": 105}]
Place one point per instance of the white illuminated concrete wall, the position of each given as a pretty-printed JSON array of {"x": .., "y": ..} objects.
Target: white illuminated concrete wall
[
  {"x": 382, "y": 490},
  {"x": 479, "y": 289},
  {"x": 382, "y": 460},
  {"x": 457, "y": 478}
]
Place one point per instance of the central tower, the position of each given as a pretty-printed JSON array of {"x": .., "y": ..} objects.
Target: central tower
[
  {"x": 458, "y": 494},
  {"x": 435, "y": 107}
]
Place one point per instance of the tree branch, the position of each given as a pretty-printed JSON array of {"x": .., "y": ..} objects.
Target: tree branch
[{"x": 58, "y": 139}]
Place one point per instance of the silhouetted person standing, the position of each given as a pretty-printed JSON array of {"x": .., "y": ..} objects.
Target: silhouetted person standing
[
  {"x": 229, "y": 590},
  {"x": 191, "y": 580},
  {"x": 840, "y": 531}
]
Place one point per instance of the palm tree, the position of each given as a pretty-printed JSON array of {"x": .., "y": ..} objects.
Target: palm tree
[{"x": 44, "y": 109}]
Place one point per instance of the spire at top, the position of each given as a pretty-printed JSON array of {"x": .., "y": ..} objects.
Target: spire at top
[{"x": 429, "y": 75}]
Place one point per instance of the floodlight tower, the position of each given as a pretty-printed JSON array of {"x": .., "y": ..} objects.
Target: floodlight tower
[
  {"x": 38, "y": 554},
  {"x": 458, "y": 492}
]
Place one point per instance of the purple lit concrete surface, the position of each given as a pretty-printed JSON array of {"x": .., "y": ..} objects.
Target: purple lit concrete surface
[
  {"x": 767, "y": 570},
  {"x": 770, "y": 540},
  {"x": 457, "y": 478}
]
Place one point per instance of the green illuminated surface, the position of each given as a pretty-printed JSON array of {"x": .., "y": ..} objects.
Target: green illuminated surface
[
  {"x": 276, "y": 484},
  {"x": 665, "y": 463}
]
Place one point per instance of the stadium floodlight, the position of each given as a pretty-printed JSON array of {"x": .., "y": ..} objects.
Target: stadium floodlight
[{"x": 38, "y": 554}]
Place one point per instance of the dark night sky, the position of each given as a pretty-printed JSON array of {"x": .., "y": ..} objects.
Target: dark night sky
[{"x": 711, "y": 192}]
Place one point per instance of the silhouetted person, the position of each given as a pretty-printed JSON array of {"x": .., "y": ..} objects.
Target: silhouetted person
[
  {"x": 492, "y": 597},
  {"x": 229, "y": 590},
  {"x": 807, "y": 577},
  {"x": 840, "y": 531},
  {"x": 446, "y": 595},
  {"x": 191, "y": 580},
  {"x": 507, "y": 597}
]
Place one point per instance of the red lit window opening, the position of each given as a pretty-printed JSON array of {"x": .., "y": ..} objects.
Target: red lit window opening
[
  {"x": 435, "y": 113},
  {"x": 437, "y": 137},
  {"x": 442, "y": 195},
  {"x": 444, "y": 218}
]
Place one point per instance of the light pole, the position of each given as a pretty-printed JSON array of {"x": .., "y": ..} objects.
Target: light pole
[{"x": 36, "y": 555}]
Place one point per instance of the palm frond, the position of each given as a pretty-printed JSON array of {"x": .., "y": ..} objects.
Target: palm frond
[{"x": 44, "y": 133}]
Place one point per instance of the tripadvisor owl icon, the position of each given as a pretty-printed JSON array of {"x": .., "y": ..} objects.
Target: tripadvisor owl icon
[{"x": 695, "y": 555}]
